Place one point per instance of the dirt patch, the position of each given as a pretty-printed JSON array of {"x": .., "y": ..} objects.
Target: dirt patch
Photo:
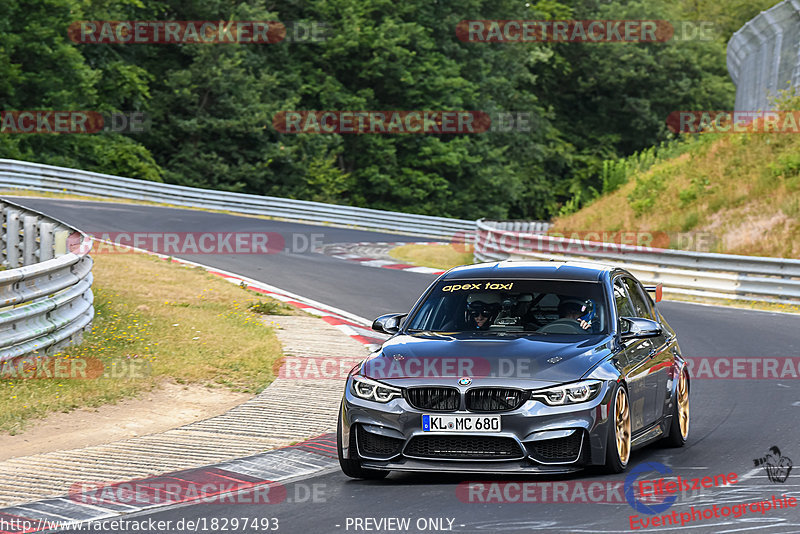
[
  {"x": 753, "y": 232},
  {"x": 170, "y": 406}
]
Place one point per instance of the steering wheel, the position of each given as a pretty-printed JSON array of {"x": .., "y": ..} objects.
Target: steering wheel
[{"x": 562, "y": 326}]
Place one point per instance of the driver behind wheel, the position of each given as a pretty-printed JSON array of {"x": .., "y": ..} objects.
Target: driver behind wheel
[
  {"x": 573, "y": 309},
  {"x": 482, "y": 310}
]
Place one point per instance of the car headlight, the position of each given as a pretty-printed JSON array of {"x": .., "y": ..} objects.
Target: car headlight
[
  {"x": 356, "y": 368},
  {"x": 369, "y": 389},
  {"x": 574, "y": 393}
]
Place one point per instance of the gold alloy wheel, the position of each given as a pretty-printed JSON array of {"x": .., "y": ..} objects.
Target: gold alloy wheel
[
  {"x": 622, "y": 421},
  {"x": 683, "y": 405}
]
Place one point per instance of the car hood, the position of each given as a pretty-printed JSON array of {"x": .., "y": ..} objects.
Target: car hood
[{"x": 485, "y": 360}]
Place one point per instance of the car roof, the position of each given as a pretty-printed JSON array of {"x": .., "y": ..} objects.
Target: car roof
[{"x": 545, "y": 270}]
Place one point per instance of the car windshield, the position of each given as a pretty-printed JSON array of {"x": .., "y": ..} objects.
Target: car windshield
[{"x": 528, "y": 306}]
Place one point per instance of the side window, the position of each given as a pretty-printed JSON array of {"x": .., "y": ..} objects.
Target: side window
[
  {"x": 635, "y": 291},
  {"x": 651, "y": 305},
  {"x": 624, "y": 306}
]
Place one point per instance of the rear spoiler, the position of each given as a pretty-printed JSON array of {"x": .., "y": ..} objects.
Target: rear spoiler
[{"x": 654, "y": 289}]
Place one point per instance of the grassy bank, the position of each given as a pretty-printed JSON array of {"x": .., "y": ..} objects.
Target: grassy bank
[
  {"x": 738, "y": 193},
  {"x": 154, "y": 321}
]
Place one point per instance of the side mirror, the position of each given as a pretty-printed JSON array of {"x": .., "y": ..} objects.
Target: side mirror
[
  {"x": 389, "y": 323},
  {"x": 638, "y": 328}
]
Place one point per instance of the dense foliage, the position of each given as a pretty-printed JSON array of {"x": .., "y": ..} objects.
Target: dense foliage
[{"x": 211, "y": 106}]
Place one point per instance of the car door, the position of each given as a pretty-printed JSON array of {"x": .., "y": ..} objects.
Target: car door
[
  {"x": 659, "y": 358},
  {"x": 637, "y": 355}
]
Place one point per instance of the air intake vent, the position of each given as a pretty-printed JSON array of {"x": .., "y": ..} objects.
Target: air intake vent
[
  {"x": 433, "y": 399},
  {"x": 494, "y": 399},
  {"x": 376, "y": 445},
  {"x": 558, "y": 450},
  {"x": 463, "y": 448}
]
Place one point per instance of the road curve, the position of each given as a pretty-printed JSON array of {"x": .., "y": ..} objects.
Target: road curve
[
  {"x": 733, "y": 421},
  {"x": 335, "y": 282}
]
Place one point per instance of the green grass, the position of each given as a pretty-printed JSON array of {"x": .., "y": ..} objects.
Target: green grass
[
  {"x": 435, "y": 256},
  {"x": 270, "y": 307},
  {"x": 743, "y": 188},
  {"x": 164, "y": 322}
]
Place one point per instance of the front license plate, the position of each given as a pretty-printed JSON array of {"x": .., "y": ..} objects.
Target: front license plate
[{"x": 461, "y": 423}]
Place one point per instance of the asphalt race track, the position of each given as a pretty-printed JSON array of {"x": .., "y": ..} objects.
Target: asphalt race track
[
  {"x": 338, "y": 283},
  {"x": 733, "y": 421}
]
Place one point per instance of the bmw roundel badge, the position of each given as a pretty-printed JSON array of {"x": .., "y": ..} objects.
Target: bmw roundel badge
[{"x": 465, "y": 381}]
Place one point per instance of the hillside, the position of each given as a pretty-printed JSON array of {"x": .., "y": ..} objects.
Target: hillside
[{"x": 739, "y": 194}]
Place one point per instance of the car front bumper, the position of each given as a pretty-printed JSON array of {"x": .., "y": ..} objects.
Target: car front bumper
[{"x": 534, "y": 438}]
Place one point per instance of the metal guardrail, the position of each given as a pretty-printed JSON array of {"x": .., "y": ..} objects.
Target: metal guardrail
[
  {"x": 46, "y": 285},
  {"x": 764, "y": 56},
  {"x": 712, "y": 275},
  {"x": 37, "y": 177},
  {"x": 529, "y": 227}
]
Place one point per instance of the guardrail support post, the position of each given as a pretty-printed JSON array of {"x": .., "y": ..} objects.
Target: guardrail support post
[
  {"x": 30, "y": 231},
  {"x": 12, "y": 238},
  {"x": 46, "y": 240},
  {"x": 3, "y": 259}
]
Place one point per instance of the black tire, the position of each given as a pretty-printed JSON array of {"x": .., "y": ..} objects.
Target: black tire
[
  {"x": 676, "y": 437},
  {"x": 352, "y": 466},
  {"x": 614, "y": 463}
]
